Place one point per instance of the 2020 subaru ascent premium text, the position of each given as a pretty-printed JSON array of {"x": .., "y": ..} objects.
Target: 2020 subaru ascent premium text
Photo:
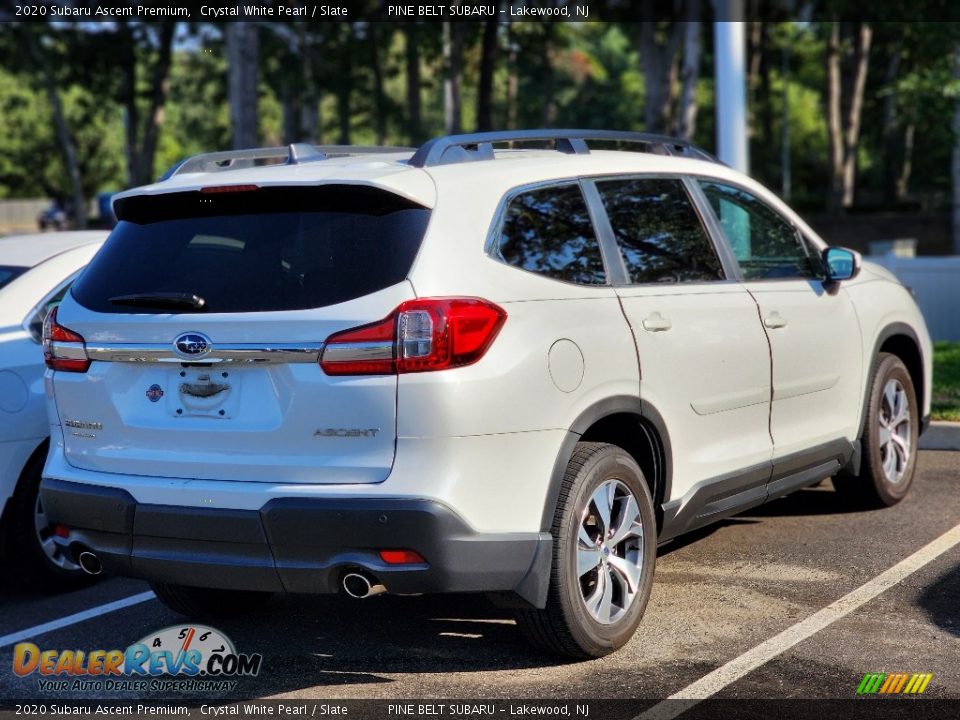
[{"x": 510, "y": 371}]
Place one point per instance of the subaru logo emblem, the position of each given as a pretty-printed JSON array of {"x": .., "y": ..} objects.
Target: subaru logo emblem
[{"x": 192, "y": 345}]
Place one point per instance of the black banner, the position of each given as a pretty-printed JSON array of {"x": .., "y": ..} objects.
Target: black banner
[
  {"x": 265, "y": 11},
  {"x": 448, "y": 709}
]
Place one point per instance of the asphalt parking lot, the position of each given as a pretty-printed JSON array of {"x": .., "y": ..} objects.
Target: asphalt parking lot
[{"x": 718, "y": 594}]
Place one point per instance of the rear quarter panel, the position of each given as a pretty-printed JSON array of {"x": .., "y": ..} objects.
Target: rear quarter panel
[{"x": 511, "y": 389}]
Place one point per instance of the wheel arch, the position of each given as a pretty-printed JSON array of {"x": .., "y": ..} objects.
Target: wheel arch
[
  {"x": 901, "y": 340},
  {"x": 630, "y": 423}
]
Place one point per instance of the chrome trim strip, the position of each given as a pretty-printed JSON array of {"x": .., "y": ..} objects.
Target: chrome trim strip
[
  {"x": 358, "y": 352},
  {"x": 222, "y": 353},
  {"x": 67, "y": 350}
]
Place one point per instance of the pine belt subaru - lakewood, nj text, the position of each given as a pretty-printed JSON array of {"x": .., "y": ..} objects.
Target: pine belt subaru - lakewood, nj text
[{"x": 463, "y": 369}]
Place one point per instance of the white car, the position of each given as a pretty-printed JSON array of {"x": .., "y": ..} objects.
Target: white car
[
  {"x": 463, "y": 370},
  {"x": 35, "y": 272}
]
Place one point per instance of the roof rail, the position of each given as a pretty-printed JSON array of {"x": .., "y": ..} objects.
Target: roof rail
[
  {"x": 453, "y": 149},
  {"x": 293, "y": 154}
]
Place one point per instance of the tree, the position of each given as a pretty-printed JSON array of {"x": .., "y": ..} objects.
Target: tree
[
  {"x": 488, "y": 61},
  {"x": 310, "y": 106},
  {"x": 452, "y": 77},
  {"x": 513, "y": 76},
  {"x": 344, "y": 81},
  {"x": 687, "y": 115},
  {"x": 659, "y": 41},
  {"x": 243, "y": 75},
  {"x": 64, "y": 137},
  {"x": 844, "y": 132},
  {"x": 547, "y": 76},
  {"x": 379, "y": 97},
  {"x": 412, "y": 55},
  {"x": 142, "y": 139}
]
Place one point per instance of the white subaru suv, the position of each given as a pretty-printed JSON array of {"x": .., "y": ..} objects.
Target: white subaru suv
[{"x": 461, "y": 369}]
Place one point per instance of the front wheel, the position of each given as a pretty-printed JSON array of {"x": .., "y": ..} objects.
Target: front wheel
[
  {"x": 604, "y": 550},
  {"x": 888, "y": 441}
]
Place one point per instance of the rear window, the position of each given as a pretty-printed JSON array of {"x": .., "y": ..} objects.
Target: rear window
[
  {"x": 9, "y": 272},
  {"x": 253, "y": 251}
]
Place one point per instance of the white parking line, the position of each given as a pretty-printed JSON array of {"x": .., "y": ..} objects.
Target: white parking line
[
  {"x": 75, "y": 618},
  {"x": 724, "y": 675}
]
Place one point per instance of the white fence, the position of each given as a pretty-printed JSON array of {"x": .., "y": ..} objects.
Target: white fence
[
  {"x": 935, "y": 282},
  {"x": 21, "y": 214}
]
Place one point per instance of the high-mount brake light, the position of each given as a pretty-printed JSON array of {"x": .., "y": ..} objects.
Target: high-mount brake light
[
  {"x": 419, "y": 336},
  {"x": 229, "y": 188},
  {"x": 63, "y": 349}
]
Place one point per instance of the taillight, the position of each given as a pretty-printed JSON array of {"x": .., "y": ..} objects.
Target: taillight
[
  {"x": 63, "y": 349},
  {"x": 419, "y": 336}
]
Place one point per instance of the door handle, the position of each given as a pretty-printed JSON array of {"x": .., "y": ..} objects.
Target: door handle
[
  {"x": 657, "y": 323},
  {"x": 774, "y": 321}
]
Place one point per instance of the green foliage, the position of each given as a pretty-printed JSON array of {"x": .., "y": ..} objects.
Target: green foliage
[
  {"x": 197, "y": 118},
  {"x": 946, "y": 381},
  {"x": 601, "y": 81},
  {"x": 26, "y": 136},
  {"x": 31, "y": 164},
  {"x": 573, "y": 74}
]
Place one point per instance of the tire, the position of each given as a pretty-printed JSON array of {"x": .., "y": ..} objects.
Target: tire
[
  {"x": 590, "y": 610},
  {"x": 888, "y": 441},
  {"x": 38, "y": 562},
  {"x": 200, "y": 603}
]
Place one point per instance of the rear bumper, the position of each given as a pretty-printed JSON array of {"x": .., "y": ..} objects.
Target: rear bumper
[{"x": 297, "y": 544}]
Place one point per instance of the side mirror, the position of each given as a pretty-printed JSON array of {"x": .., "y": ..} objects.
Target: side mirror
[{"x": 841, "y": 264}]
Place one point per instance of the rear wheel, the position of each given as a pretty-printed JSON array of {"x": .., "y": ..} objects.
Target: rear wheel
[
  {"x": 889, "y": 439},
  {"x": 197, "y": 602},
  {"x": 604, "y": 549}
]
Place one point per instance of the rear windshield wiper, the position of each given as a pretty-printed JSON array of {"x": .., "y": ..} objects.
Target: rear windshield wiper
[{"x": 161, "y": 300}]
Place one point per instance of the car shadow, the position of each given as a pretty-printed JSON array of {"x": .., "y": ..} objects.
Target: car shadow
[
  {"x": 816, "y": 500},
  {"x": 695, "y": 536},
  {"x": 325, "y": 640},
  {"x": 939, "y": 601}
]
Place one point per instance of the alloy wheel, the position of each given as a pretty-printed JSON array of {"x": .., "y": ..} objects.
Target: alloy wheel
[
  {"x": 610, "y": 551},
  {"x": 895, "y": 442}
]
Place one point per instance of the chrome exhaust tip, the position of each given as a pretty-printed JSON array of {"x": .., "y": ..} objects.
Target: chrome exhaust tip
[
  {"x": 359, "y": 586},
  {"x": 89, "y": 563}
]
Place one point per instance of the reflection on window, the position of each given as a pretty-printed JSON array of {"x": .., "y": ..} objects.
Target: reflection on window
[
  {"x": 548, "y": 231},
  {"x": 214, "y": 242},
  {"x": 659, "y": 232},
  {"x": 764, "y": 243}
]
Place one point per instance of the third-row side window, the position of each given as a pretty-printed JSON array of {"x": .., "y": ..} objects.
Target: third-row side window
[
  {"x": 548, "y": 231},
  {"x": 659, "y": 232}
]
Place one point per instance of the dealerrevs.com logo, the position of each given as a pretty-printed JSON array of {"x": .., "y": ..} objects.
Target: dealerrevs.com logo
[{"x": 179, "y": 658}]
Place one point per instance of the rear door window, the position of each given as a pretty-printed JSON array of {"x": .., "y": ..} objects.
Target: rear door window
[
  {"x": 253, "y": 250},
  {"x": 548, "y": 231},
  {"x": 659, "y": 232}
]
